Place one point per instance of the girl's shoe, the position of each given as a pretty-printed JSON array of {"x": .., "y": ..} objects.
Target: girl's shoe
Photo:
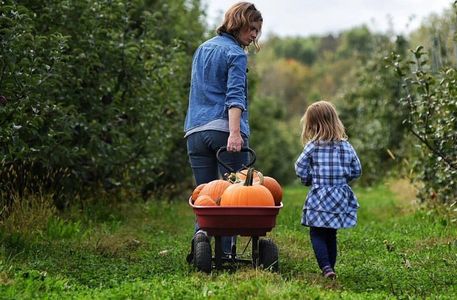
[{"x": 328, "y": 273}]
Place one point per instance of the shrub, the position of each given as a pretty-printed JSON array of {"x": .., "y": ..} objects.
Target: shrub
[
  {"x": 431, "y": 104},
  {"x": 93, "y": 95}
]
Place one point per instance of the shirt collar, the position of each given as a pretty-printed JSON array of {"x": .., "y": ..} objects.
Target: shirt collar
[{"x": 230, "y": 36}]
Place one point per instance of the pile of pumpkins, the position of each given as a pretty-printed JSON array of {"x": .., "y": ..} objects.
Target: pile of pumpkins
[{"x": 247, "y": 187}]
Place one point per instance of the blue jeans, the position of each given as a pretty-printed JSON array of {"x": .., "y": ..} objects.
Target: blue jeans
[
  {"x": 201, "y": 149},
  {"x": 324, "y": 245}
]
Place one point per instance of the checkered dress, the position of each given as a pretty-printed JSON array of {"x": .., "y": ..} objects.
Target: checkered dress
[{"x": 328, "y": 167}]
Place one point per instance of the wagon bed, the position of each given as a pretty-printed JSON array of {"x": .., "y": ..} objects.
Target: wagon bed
[{"x": 236, "y": 220}]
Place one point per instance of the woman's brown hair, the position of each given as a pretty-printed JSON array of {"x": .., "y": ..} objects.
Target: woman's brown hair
[
  {"x": 238, "y": 17},
  {"x": 321, "y": 123}
]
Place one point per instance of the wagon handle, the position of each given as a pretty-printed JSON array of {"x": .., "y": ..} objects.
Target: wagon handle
[{"x": 245, "y": 149}]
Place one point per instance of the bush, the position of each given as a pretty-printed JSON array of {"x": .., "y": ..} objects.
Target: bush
[
  {"x": 275, "y": 146},
  {"x": 93, "y": 94},
  {"x": 371, "y": 114},
  {"x": 431, "y": 104}
]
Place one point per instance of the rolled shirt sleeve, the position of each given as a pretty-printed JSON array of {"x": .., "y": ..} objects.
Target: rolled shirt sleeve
[{"x": 236, "y": 80}]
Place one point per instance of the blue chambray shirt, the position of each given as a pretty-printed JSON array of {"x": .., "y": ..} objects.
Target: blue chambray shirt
[
  {"x": 218, "y": 83},
  {"x": 328, "y": 168}
]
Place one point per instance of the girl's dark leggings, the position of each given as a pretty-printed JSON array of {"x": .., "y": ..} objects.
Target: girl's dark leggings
[{"x": 324, "y": 245}]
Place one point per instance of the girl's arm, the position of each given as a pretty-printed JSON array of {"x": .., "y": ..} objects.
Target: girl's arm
[
  {"x": 356, "y": 167},
  {"x": 303, "y": 165}
]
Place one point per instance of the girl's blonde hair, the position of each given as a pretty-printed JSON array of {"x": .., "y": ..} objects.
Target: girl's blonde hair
[
  {"x": 321, "y": 123},
  {"x": 238, "y": 17}
]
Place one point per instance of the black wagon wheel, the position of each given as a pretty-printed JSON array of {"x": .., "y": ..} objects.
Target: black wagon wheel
[
  {"x": 268, "y": 255},
  {"x": 202, "y": 259}
]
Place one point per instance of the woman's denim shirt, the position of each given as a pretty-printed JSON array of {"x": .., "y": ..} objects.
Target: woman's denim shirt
[{"x": 218, "y": 83}]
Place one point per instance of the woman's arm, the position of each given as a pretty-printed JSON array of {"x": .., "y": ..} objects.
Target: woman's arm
[
  {"x": 235, "y": 141},
  {"x": 236, "y": 97}
]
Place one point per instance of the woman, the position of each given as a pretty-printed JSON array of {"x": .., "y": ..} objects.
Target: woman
[{"x": 217, "y": 115}]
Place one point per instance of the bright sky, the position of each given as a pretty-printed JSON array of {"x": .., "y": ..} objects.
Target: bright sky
[{"x": 306, "y": 17}]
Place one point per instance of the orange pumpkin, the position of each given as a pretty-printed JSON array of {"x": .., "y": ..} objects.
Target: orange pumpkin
[
  {"x": 215, "y": 188},
  {"x": 241, "y": 175},
  {"x": 247, "y": 194},
  {"x": 241, "y": 195},
  {"x": 204, "y": 200},
  {"x": 197, "y": 191},
  {"x": 274, "y": 187}
]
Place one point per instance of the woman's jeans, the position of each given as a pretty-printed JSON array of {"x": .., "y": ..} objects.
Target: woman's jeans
[
  {"x": 324, "y": 245},
  {"x": 201, "y": 148}
]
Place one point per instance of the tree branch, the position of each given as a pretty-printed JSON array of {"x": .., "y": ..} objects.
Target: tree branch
[{"x": 451, "y": 164}]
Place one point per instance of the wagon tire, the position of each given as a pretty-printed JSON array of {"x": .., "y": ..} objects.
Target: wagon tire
[
  {"x": 268, "y": 255},
  {"x": 198, "y": 237},
  {"x": 202, "y": 260}
]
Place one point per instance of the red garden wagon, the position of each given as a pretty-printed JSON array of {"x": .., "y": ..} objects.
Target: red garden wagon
[{"x": 251, "y": 221}]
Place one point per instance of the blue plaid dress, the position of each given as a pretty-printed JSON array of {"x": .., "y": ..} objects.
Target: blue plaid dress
[{"x": 328, "y": 167}]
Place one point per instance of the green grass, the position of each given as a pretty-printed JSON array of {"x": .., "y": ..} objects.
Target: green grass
[{"x": 137, "y": 251}]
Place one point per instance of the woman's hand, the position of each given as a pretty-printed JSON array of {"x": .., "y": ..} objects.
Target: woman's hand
[{"x": 234, "y": 142}]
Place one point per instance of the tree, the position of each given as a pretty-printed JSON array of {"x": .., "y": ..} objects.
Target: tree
[
  {"x": 431, "y": 104},
  {"x": 370, "y": 113},
  {"x": 94, "y": 94}
]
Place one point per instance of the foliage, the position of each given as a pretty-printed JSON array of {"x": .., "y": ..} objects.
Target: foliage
[
  {"x": 431, "y": 104},
  {"x": 358, "y": 41},
  {"x": 138, "y": 251},
  {"x": 295, "y": 81},
  {"x": 300, "y": 49},
  {"x": 93, "y": 95},
  {"x": 349, "y": 71},
  {"x": 276, "y": 148},
  {"x": 352, "y": 73},
  {"x": 436, "y": 35},
  {"x": 270, "y": 137},
  {"x": 371, "y": 114},
  {"x": 289, "y": 82}
]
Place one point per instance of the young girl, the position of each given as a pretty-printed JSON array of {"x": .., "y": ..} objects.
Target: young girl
[{"x": 328, "y": 163}]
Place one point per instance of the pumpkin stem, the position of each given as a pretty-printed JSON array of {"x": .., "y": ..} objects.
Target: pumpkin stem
[
  {"x": 261, "y": 180},
  {"x": 249, "y": 177},
  {"x": 232, "y": 178}
]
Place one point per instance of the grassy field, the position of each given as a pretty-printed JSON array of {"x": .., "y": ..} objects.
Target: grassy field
[{"x": 138, "y": 250}]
